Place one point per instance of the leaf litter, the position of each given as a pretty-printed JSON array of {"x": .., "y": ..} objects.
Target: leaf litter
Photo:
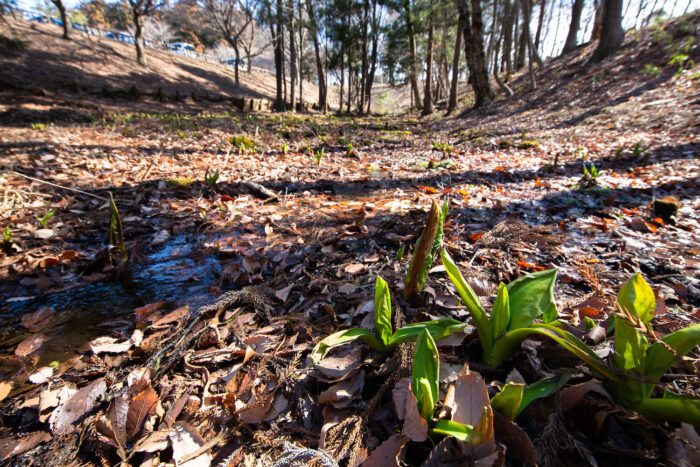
[{"x": 213, "y": 369}]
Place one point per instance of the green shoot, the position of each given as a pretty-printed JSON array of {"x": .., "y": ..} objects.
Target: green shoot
[
  {"x": 211, "y": 178},
  {"x": 45, "y": 219}
]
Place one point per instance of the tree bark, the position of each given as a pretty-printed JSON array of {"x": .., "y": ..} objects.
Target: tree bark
[
  {"x": 292, "y": 57},
  {"x": 474, "y": 49},
  {"x": 64, "y": 17},
  {"x": 320, "y": 72},
  {"x": 276, "y": 31},
  {"x": 612, "y": 34},
  {"x": 138, "y": 32},
  {"x": 413, "y": 69},
  {"x": 508, "y": 37},
  {"x": 522, "y": 41},
  {"x": 428, "y": 98},
  {"x": 539, "y": 24},
  {"x": 452, "y": 104},
  {"x": 365, "y": 64},
  {"x": 373, "y": 56},
  {"x": 598, "y": 21},
  {"x": 571, "y": 38}
]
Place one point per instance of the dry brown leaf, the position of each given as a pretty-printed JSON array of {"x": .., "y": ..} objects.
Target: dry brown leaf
[
  {"x": 186, "y": 440},
  {"x": 156, "y": 441},
  {"x": 143, "y": 404},
  {"x": 572, "y": 395},
  {"x": 470, "y": 397},
  {"x": 414, "y": 426},
  {"x": 340, "y": 367},
  {"x": 390, "y": 452},
  {"x": 344, "y": 392},
  {"x": 42, "y": 375},
  {"x": 13, "y": 447},
  {"x": 110, "y": 344},
  {"x": 38, "y": 320},
  {"x": 354, "y": 268},
  {"x": 74, "y": 405},
  {"x": 174, "y": 315},
  {"x": 5, "y": 389},
  {"x": 30, "y": 345}
]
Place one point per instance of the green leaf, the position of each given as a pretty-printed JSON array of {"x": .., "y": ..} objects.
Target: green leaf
[
  {"x": 671, "y": 410},
  {"x": 343, "y": 337},
  {"x": 426, "y": 366},
  {"x": 659, "y": 359},
  {"x": 438, "y": 329},
  {"x": 575, "y": 346},
  {"x": 500, "y": 314},
  {"x": 428, "y": 403},
  {"x": 467, "y": 433},
  {"x": 637, "y": 298},
  {"x": 532, "y": 297},
  {"x": 630, "y": 347},
  {"x": 399, "y": 253},
  {"x": 508, "y": 400},
  {"x": 382, "y": 311},
  {"x": 471, "y": 301},
  {"x": 543, "y": 388}
]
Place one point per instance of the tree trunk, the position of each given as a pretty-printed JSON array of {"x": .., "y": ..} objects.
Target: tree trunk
[
  {"x": 428, "y": 98},
  {"x": 539, "y": 24},
  {"x": 320, "y": 72},
  {"x": 598, "y": 21},
  {"x": 365, "y": 64},
  {"x": 64, "y": 17},
  {"x": 292, "y": 57},
  {"x": 474, "y": 49},
  {"x": 276, "y": 31},
  {"x": 504, "y": 87},
  {"x": 571, "y": 38},
  {"x": 373, "y": 57},
  {"x": 452, "y": 104},
  {"x": 508, "y": 37},
  {"x": 612, "y": 34},
  {"x": 413, "y": 69},
  {"x": 234, "y": 44},
  {"x": 522, "y": 41},
  {"x": 528, "y": 42},
  {"x": 138, "y": 32}
]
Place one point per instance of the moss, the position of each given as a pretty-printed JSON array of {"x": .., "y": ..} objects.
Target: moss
[
  {"x": 183, "y": 181},
  {"x": 529, "y": 144},
  {"x": 239, "y": 141},
  {"x": 505, "y": 144}
]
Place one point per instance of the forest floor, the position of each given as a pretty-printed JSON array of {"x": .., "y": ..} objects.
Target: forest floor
[{"x": 195, "y": 350}]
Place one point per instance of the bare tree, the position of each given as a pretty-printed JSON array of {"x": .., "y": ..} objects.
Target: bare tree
[
  {"x": 611, "y": 34},
  {"x": 141, "y": 9},
  {"x": 64, "y": 17},
  {"x": 571, "y": 38},
  {"x": 231, "y": 19},
  {"x": 474, "y": 51},
  {"x": 156, "y": 31}
]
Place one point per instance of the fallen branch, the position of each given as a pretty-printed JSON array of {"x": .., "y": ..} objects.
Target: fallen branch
[{"x": 260, "y": 191}]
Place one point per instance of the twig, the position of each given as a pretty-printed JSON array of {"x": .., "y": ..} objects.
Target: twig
[{"x": 60, "y": 186}]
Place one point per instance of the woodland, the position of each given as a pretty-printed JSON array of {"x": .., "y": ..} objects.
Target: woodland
[{"x": 350, "y": 232}]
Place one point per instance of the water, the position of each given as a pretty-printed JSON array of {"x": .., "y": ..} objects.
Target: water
[{"x": 174, "y": 273}]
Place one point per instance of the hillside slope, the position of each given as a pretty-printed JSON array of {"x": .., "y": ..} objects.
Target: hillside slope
[{"x": 89, "y": 63}]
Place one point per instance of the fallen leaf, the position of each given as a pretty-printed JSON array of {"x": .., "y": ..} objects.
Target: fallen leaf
[
  {"x": 470, "y": 397},
  {"x": 347, "y": 288},
  {"x": 343, "y": 393},
  {"x": 42, "y": 375},
  {"x": 390, "y": 452},
  {"x": 354, "y": 268},
  {"x": 12, "y": 447},
  {"x": 174, "y": 315},
  {"x": 282, "y": 294},
  {"x": 186, "y": 440},
  {"x": 143, "y": 404},
  {"x": 74, "y": 405},
  {"x": 37, "y": 320},
  {"x": 30, "y": 345},
  {"x": 5, "y": 389},
  {"x": 340, "y": 367},
  {"x": 110, "y": 345}
]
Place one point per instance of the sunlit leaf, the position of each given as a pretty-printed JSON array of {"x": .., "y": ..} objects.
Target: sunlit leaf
[
  {"x": 500, "y": 314},
  {"x": 508, "y": 400},
  {"x": 426, "y": 373},
  {"x": 671, "y": 410},
  {"x": 637, "y": 298},
  {"x": 382, "y": 311},
  {"x": 343, "y": 337},
  {"x": 532, "y": 297},
  {"x": 630, "y": 347},
  {"x": 543, "y": 388},
  {"x": 467, "y": 433},
  {"x": 470, "y": 300},
  {"x": 659, "y": 359},
  {"x": 438, "y": 329}
]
